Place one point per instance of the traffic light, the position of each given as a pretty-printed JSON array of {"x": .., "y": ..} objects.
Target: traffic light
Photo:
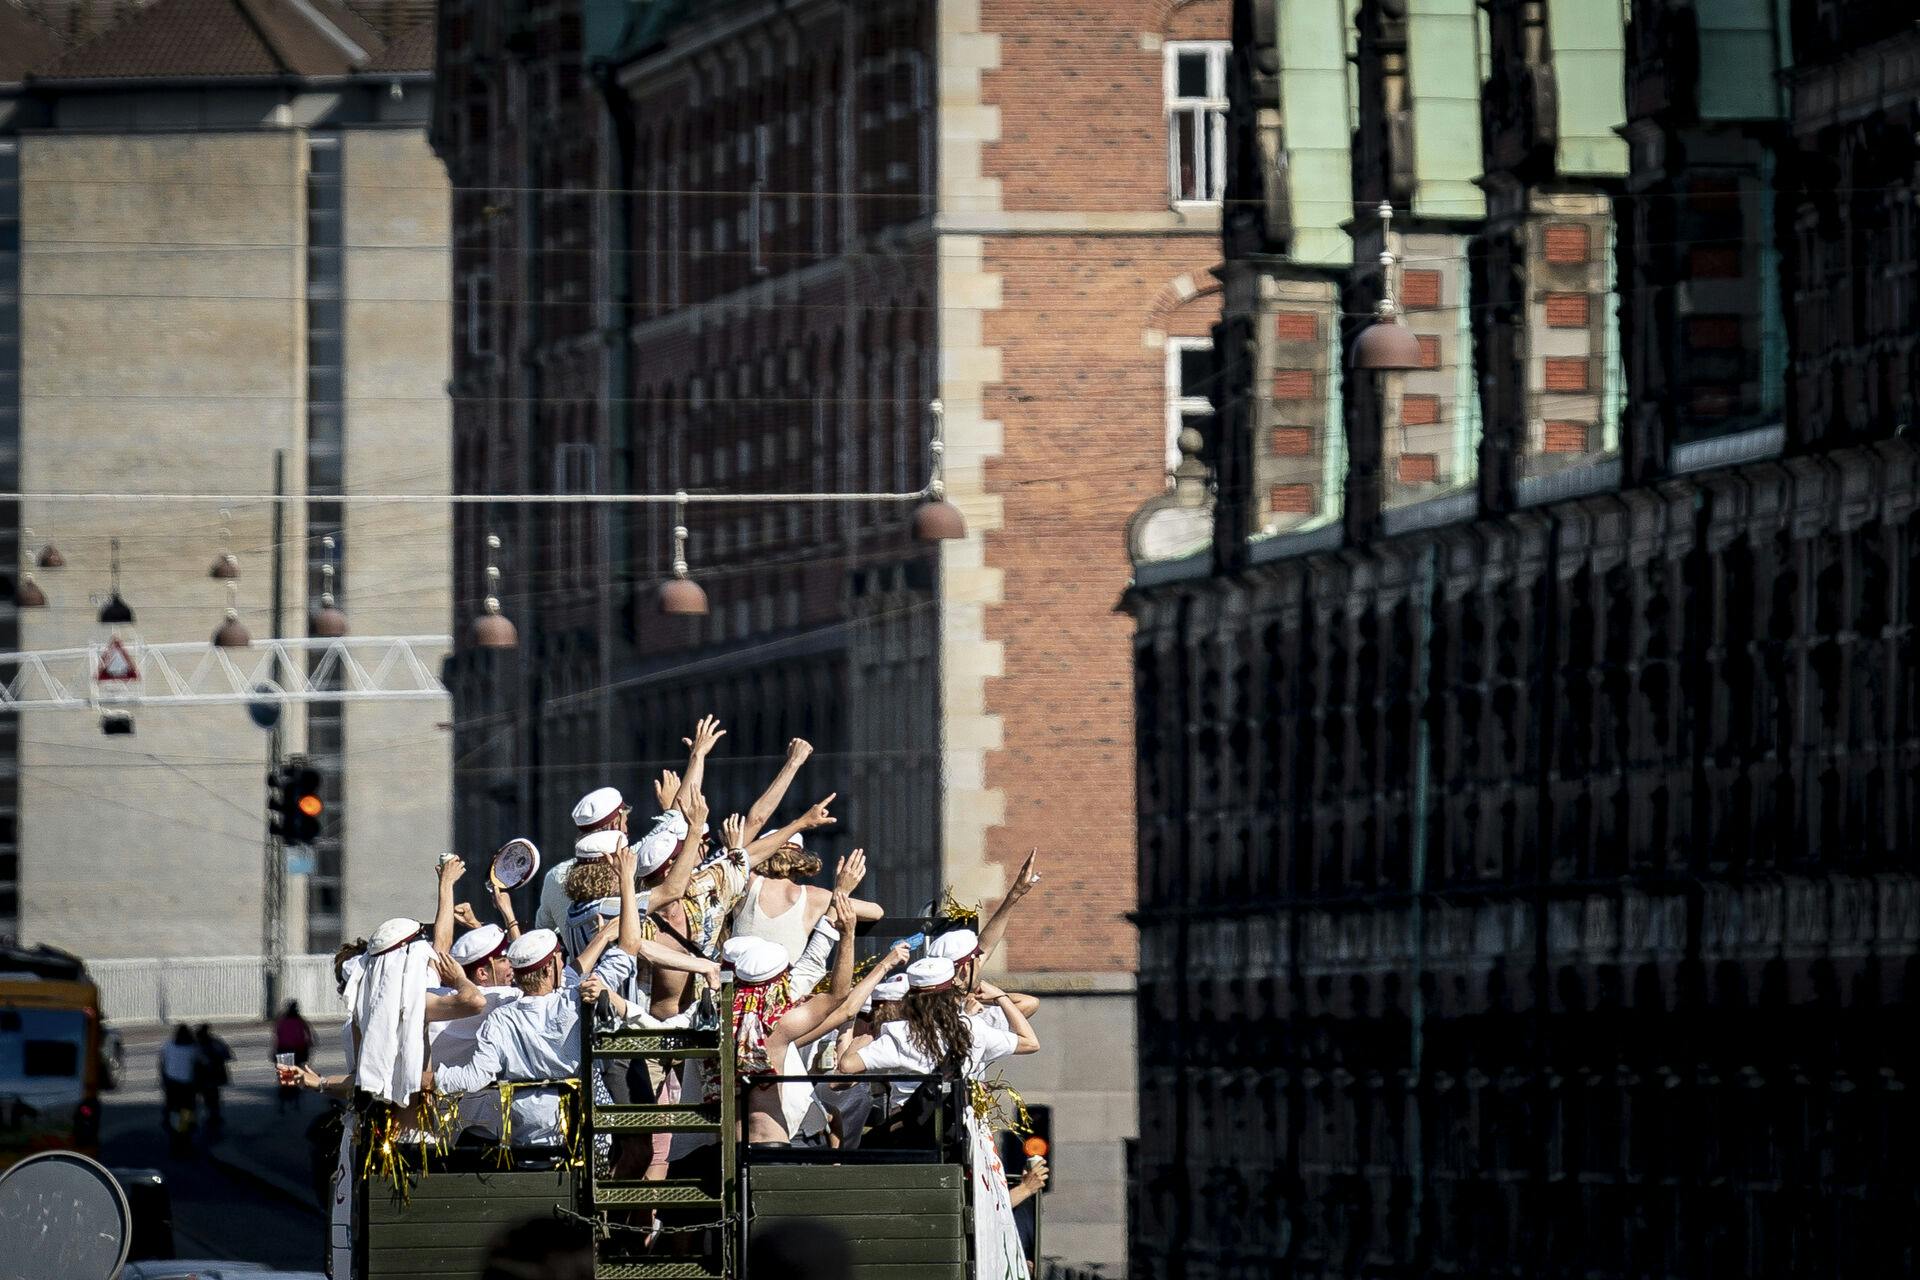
[
  {"x": 294, "y": 805},
  {"x": 1016, "y": 1149}
]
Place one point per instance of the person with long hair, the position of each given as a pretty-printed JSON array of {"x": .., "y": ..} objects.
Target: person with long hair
[{"x": 935, "y": 1035}]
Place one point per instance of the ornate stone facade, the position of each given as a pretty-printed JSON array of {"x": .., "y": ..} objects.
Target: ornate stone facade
[{"x": 1533, "y": 894}]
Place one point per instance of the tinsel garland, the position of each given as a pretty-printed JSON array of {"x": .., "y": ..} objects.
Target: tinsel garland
[
  {"x": 986, "y": 1097},
  {"x": 563, "y": 1118}
]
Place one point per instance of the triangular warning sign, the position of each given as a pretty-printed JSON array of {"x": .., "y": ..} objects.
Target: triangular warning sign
[{"x": 116, "y": 663}]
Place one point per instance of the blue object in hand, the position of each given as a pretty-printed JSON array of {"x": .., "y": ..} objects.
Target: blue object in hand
[{"x": 912, "y": 943}]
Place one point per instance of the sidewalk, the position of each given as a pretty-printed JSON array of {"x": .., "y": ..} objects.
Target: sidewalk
[{"x": 260, "y": 1142}]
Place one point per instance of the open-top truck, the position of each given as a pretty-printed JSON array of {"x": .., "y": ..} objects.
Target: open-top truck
[{"x": 906, "y": 1212}]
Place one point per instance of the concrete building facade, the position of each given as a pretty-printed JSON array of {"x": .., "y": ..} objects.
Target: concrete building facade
[{"x": 232, "y": 246}]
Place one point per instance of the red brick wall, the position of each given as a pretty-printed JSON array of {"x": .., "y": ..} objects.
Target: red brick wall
[
  {"x": 1082, "y": 110},
  {"x": 1082, "y": 403}
]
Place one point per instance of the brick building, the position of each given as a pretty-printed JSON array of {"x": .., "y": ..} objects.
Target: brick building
[
  {"x": 222, "y": 237},
  {"x": 730, "y": 248},
  {"x": 1526, "y": 875}
]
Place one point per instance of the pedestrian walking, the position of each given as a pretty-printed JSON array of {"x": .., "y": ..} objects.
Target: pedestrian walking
[
  {"x": 291, "y": 1034},
  {"x": 178, "y": 1058},
  {"x": 211, "y": 1075}
]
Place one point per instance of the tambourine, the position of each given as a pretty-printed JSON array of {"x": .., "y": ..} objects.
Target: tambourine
[{"x": 517, "y": 862}]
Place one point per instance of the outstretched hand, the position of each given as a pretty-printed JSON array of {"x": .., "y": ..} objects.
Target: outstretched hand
[
  {"x": 696, "y": 814},
  {"x": 665, "y": 788},
  {"x": 706, "y": 735},
  {"x": 463, "y": 915},
  {"x": 1029, "y": 877},
  {"x": 818, "y": 816},
  {"x": 625, "y": 863},
  {"x": 452, "y": 869},
  {"x": 734, "y": 831},
  {"x": 451, "y": 974},
  {"x": 850, "y": 871},
  {"x": 798, "y": 750}
]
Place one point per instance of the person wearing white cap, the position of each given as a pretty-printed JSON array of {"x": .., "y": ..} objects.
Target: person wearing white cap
[
  {"x": 602, "y": 809},
  {"x": 846, "y": 1104},
  {"x": 536, "y": 1037},
  {"x": 935, "y": 1036},
  {"x": 771, "y": 1027}
]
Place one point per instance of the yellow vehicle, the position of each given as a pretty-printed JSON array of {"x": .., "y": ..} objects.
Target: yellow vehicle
[{"x": 51, "y": 1054}]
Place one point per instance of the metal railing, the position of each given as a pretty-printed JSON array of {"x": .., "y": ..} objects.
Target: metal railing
[{"x": 156, "y": 992}]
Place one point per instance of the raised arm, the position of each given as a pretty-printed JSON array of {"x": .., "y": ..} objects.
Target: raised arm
[
  {"x": 847, "y": 876},
  {"x": 450, "y": 872},
  {"x": 624, "y": 862},
  {"x": 705, "y": 734},
  {"x": 762, "y": 811},
  {"x": 843, "y": 920},
  {"x": 466, "y": 999},
  {"x": 687, "y": 857},
  {"x": 821, "y": 1014},
  {"x": 996, "y": 926},
  {"x": 812, "y": 820},
  {"x": 590, "y": 954},
  {"x": 503, "y": 903}
]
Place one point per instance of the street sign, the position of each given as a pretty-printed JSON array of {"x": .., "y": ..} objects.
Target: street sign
[{"x": 116, "y": 664}]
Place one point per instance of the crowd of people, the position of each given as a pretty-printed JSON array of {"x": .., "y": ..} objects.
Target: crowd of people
[{"x": 642, "y": 928}]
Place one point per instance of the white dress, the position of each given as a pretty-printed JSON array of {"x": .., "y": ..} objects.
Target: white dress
[{"x": 996, "y": 1240}]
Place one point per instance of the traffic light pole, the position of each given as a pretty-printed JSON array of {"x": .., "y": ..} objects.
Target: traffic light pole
[{"x": 273, "y": 922}]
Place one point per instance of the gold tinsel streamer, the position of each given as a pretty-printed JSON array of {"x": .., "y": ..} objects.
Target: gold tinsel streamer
[
  {"x": 569, "y": 1135},
  {"x": 954, "y": 909},
  {"x": 987, "y": 1098}
]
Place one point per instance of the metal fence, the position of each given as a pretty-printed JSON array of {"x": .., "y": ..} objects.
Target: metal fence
[{"x": 146, "y": 993}]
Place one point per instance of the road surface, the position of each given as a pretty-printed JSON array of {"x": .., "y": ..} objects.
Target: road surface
[{"x": 219, "y": 1212}]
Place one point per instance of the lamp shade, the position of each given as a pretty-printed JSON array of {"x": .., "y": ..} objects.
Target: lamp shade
[
  {"x": 28, "y": 595},
  {"x": 50, "y": 558},
  {"x": 330, "y": 623},
  {"x": 938, "y": 520},
  {"x": 492, "y": 630},
  {"x": 684, "y": 597},
  {"x": 232, "y": 634},
  {"x": 116, "y": 612},
  {"x": 1386, "y": 345},
  {"x": 225, "y": 567}
]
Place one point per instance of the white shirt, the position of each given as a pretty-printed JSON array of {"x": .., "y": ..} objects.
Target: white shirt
[
  {"x": 532, "y": 1038},
  {"x": 452, "y": 1043},
  {"x": 552, "y": 911},
  {"x": 893, "y": 1052}
]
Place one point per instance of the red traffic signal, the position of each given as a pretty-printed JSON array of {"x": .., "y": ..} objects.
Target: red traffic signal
[{"x": 294, "y": 803}]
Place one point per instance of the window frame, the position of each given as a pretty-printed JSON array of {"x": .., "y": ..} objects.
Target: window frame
[
  {"x": 1211, "y": 166},
  {"x": 1180, "y": 402}
]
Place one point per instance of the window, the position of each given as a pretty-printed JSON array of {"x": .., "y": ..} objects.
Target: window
[
  {"x": 1189, "y": 377},
  {"x": 1196, "y": 88}
]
